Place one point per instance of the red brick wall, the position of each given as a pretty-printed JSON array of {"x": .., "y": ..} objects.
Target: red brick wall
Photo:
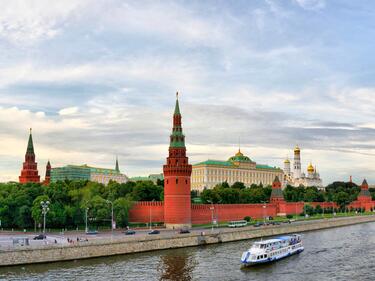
[
  {"x": 140, "y": 212},
  {"x": 201, "y": 213}
]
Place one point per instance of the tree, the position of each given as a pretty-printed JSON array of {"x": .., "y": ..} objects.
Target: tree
[
  {"x": 146, "y": 191},
  {"x": 238, "y": 185},
  {"x": 121, "y": 207},
  {"x": 36, "y": 210},
  {"x": 342, "y": 199}
]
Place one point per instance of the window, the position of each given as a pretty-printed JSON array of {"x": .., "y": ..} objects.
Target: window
[{"x": 176, "y": 180}]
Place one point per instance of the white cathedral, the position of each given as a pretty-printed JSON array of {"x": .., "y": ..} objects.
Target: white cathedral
[{"x": 297, "y": 177}]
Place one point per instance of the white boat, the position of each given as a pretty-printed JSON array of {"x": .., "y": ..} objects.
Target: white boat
[{"x": 272, "y": 250}]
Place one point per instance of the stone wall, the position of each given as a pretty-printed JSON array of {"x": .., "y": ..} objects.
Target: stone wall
[{"x": 126, "y": 245}]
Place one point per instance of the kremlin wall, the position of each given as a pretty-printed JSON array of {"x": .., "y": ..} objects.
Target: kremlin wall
[{"x": 177, "y": 211}]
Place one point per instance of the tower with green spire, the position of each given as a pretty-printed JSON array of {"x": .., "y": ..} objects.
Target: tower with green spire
[
  {"x": 117, "y": 168},
  {"x": 29, "y": 172},
  {"x": 177, "y": 173}
]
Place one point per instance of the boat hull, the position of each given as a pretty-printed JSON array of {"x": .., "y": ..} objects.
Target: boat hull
[{"x": 271, "y": 260}]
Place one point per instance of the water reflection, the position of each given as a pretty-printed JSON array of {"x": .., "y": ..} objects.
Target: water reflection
[{"x": 176, "y": 266}]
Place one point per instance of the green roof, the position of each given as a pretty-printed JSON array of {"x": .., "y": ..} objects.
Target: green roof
[
  {"x": 139, "y": 179},
  {"x": 177, "y": 108},
  {"x": 216, "y": 163},
  {"x": 230, "y": 164},
  {"x": 30, "y": 145},
  {"x": 266, "y": 167}
]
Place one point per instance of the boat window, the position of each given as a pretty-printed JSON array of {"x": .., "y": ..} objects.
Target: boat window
[
  {"x": 265, "y": 256},
  {"x": 258, "y": 257}
]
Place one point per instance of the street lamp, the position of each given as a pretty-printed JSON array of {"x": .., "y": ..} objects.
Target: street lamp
[
  {"x": 264, "y": 212},
  {"x": 110, "y": 202},
  {"x": 212, "y": 214},
  {"x": 87, "y": 229},
  {"x": 153, "y": 200},
  {"x": 45, "y": 209}
]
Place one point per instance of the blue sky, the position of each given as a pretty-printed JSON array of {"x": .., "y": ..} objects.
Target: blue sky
[{"x": 98, "y": 78}]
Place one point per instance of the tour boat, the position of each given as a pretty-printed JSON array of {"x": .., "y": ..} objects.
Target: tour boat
[{"x": 272, "y": 250}]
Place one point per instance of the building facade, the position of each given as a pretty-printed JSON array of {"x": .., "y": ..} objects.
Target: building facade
[
  {"x": 238, "y": 168},
  {"x": 297, "y": 177},
  {"x": 177, "y": 172},
  {"x": 29, "y": 172},
  {"x": 84, "y": 172}
]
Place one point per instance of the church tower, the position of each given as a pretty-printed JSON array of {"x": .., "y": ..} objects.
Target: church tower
[
  {"x": 177, "y": 172},
  {"x": 29, "y": 171},
  {"x": 297, "y": 163},
  {"x": 117, "y": 167}
]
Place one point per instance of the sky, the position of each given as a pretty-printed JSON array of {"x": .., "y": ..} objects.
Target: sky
[{"x": 96, "y": 79}]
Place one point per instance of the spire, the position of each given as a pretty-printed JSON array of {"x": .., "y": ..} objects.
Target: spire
[
  {"x": 30, "y": 145},
  {"x": 177, "y": 139},
  {"x": 117, "y": 166},
  {"x": 177, "y": 107}
]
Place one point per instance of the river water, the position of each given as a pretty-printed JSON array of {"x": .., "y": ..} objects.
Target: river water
[{"x": 346, "y": 253}]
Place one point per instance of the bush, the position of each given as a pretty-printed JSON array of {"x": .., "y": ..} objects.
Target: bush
[
  {"x": 247, "y": 218},
  {"x": 289, "y": 216}
]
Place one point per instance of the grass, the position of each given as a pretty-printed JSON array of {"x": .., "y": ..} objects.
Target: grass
[{"x": 284, "y": 219}]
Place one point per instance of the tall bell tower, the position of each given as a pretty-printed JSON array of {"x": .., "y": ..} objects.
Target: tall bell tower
[{"x": 177, "y": 172}]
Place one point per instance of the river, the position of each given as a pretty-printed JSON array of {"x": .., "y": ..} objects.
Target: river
[{"x": 345, "y": 253}]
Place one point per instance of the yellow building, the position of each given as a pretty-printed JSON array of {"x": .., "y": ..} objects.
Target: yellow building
[{"x": 238, "y": 168}]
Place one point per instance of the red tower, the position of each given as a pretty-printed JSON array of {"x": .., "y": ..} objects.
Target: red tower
[
  {"x": 177, "y": 172},
  {"x": 364, "y": 195},
  {"x": 277, "y": 197},
  {"x": 276, "y": 194},
  {"x": 47, "y": 179},
  {"x": 29, "y": 171}
]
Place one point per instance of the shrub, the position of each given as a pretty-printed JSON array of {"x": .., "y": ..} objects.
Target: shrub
[
  {"x": 247, "y": 218},
  {"x": 289, "y": 216}
]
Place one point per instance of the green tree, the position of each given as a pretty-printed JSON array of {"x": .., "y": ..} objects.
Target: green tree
[{"x": 121, "y": 207}]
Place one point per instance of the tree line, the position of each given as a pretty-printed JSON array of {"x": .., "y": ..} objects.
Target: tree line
[
  {"x": 342, "y": 193},
  {"x": 20, "y": 203}
]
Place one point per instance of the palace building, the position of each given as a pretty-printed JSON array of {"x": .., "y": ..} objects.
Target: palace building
[
  {"x": 84, "y": 172},
  {"x": 238, "y": 168},
  {"x": 297, "y": 177}
]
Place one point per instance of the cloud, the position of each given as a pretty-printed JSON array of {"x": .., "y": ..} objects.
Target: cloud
[
  {"x": 26, "y": 22},
  {"x": 68, "y": 111},
  {"x": 311, "y": 4}
]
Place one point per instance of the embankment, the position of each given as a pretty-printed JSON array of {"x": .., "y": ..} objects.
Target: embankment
[{"x": 127, "y": 245}]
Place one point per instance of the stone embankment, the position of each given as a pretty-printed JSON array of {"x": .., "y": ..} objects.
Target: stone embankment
[{"x": 127, "y": 245}]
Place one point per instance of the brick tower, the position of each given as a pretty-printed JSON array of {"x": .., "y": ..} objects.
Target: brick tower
[
  {"x": 47, "y": 179},
  {"x": 364, "y": 195},
  {"x": 277, "y": 197},
  {"x": 29, "y": 171},
  {"x": 177, "y": 172}
]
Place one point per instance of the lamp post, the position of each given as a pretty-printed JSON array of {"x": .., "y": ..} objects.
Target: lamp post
[
  {"x": 86, "y": 229},
  {"x": 45, "y": 209},
  {"x": 153, "y": 200},
  {"x": 110, "y": 202},
  {"x": 212, "y": 215},
  {"x": 264, "y": 213}
]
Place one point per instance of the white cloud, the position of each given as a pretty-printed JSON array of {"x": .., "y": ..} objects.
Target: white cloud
[
  {"x": 68, "y": 111},
  {"x": 311, "y": 4},
  {"x": 26, "y": 22}
]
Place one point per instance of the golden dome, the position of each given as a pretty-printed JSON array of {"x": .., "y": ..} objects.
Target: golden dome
[
  {"x": 239, "y": 153},
  {"x": 310, "y": 168},
  {"x": 297, "y": 149},
  {"x": 287, "y": 161}
]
